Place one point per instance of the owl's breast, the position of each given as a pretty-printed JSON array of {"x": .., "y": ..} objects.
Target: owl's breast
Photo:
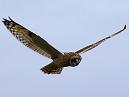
[
  {"x": 62, "y": 61},
  {"x": 68, "y": 59}
]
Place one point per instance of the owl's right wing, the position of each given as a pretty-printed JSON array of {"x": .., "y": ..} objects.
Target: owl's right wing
[
  {"x": 89, "y": 47},
  {"x": 31, "y": 40}
]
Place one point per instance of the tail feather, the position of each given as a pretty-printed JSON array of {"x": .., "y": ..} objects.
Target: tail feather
[{"x": 51, "y": 69}]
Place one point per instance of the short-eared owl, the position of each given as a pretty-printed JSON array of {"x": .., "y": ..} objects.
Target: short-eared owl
[{"x": 36, "y": 43}]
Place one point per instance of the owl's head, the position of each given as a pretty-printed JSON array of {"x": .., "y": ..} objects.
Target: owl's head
[{"x": 75, "y": 59}]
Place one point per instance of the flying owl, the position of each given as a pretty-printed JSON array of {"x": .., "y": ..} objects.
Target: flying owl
[{"x": 38, "y": 44}]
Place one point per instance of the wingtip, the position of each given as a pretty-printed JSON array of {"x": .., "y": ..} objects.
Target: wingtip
[
  {"x": 6, "y": 19},
  {"x": 125, "y": 27},
  {"x": 10, "y": 18}
]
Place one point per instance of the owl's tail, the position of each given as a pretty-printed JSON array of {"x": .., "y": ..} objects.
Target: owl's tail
[{"x": 52, "y": 69}]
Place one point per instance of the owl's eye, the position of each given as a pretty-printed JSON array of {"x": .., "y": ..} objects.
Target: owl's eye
[{"x": 74, "y": 61}]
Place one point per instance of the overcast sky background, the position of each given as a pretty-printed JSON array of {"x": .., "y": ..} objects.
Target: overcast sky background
[{"x": 68, "y": 25}]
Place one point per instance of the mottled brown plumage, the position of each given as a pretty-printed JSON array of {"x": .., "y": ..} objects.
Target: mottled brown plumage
[{"x": 36, "y": 43}]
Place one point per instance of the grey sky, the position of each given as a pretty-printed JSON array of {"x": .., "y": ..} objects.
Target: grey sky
[{"x": 68, "y": 25}]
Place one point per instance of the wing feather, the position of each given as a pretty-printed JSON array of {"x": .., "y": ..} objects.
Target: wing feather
[
  {"x": 31, "y": 40},
  {"x": 89, "y": 47}
]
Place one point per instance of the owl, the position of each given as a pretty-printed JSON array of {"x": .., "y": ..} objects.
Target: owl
[{"x": 59, "y": 60}]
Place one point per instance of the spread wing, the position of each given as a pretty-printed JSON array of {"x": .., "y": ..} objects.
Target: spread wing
[
  {"x": 89, "y": 47},
  {"x": 31, "y": 40}
]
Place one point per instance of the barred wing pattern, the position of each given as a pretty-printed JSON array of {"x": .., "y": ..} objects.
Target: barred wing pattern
[
  {"x": 31, "y": 40},
  {"x": 89, "y": 47}
]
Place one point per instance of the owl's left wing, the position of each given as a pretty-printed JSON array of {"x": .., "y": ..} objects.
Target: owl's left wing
[
  {"x": 89, "y": 47},
  {"x": 31, "y": 40}
]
